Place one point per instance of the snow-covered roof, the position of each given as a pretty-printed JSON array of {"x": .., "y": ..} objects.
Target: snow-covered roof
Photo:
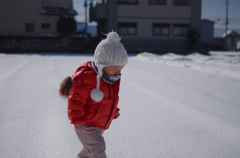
[
  {"x": 230, "y": 32},
  {"x": 57, "y": 11}
]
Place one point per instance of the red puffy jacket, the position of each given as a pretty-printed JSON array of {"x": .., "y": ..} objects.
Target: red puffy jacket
[{"x": 81, "y": 107}]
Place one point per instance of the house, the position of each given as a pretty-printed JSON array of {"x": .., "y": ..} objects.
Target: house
[
  {"x": 31, "y": 26},
  {"x": 149, "y": 25},
  {"x": 207, "y": 30},
  {"x": 238, "y": 44},
  {"x": 230, "y": 40},
  {"x": 32, "y": 17}
]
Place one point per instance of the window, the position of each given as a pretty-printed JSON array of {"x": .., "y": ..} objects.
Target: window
[
  {"x": 29, "y": 27},
  {"x": 161, "y": 29},
  {"x": 127, "y": 28},
  {"x": 45, "y": 25},
  {"x": 157, "y": 2},
  {"x": 127, "y": 2},
  {"x": 181, "y": 2},
  {"x": 180, "y": 29}
]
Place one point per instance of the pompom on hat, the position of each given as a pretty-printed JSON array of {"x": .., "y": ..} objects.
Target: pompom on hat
[{"x": 109, "y": 51}]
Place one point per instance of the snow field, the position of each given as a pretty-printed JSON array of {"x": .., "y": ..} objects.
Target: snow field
[{"x": 168, "y": 110}]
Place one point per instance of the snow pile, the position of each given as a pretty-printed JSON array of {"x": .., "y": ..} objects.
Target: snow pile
[{"x": 222, "y": 63}]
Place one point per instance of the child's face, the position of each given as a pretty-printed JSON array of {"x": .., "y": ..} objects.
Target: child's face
[{"x": 113, "y": 70}]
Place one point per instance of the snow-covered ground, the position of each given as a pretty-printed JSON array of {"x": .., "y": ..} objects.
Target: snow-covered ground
[
  {"x": 224, "y": 63},
  {"x": 172, "y": 106}
]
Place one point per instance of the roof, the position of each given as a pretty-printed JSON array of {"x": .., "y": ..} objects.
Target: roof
[
  {"x": 207, "y": 20},
  {"x": 229, "y": 32},
  {"x": 58, "y": 11}
]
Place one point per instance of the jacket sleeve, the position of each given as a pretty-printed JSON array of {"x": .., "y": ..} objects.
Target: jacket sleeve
[
  {"x": 116, "y": 113},
  {"x": 118, "y": 110},
  {"x": 77, "y": 99}
]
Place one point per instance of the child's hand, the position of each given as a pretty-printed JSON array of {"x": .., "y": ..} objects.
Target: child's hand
[
  {"x": 80, "y": 126},
  {"x": 117, "y": 115}
]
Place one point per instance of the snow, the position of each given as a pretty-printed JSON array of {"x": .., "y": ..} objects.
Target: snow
[
  {"x": 171, "y": 106},
  {"x": 64, "y": 10},
  {"x": 230, "y": 32},
  {"x": 218, "y": 62}
]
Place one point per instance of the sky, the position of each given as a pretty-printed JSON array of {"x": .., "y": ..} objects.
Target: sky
[{"x": 214, "y": 10}]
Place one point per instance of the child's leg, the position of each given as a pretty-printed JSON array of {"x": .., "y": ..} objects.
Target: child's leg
[
  {"x": 92, "y": 141},
  {"x": 82, "y": 154}
]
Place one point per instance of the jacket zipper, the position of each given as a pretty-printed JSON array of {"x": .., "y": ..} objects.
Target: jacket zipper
[{"x": 109, "y": 92}]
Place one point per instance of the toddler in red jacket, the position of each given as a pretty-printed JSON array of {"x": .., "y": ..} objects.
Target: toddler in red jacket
[{"x": 92, "y": 94}]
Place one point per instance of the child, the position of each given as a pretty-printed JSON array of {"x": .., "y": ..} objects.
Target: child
[{"x": 93, "y": 95}]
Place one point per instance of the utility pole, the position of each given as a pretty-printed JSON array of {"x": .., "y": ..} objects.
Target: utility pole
[
  {"x": 226, "y": 18},
  {"x": 85, "y": 5}
]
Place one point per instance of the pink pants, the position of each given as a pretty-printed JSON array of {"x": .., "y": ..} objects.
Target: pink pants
[{"x": 92, "y": 141}]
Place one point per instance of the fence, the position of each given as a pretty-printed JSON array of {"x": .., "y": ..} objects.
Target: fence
[{"x": 43, "y": 44}]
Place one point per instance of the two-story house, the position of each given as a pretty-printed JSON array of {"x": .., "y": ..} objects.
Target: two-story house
[
  {"x": 32, "y": 17},
  {"x": 149, "y": 24},
  {"x": 32, "y": 26}
]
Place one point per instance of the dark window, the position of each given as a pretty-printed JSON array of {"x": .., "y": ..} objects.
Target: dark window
[
  {"x": 157, "y": 2},
  {"x": 45, "y": 25},
  {"x": 181, "y": 2},
  {"x": 161, "y": 29},
  {"x": 127, "y": 28},
  {"x": 180, "y": 29},
  {"x": 29, "y": 27},
  {"x": 127, "y": 2}
]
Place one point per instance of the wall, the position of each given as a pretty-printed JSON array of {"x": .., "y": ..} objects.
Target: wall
[
  {"x": 57, "y": 3},
  {"x": 112, "y": 14},
  {"x": 154, "y": 45},
  {"x": 42, "y": 44},
  {"x": 143, "y": 9},
  {"x": 14, "y": 17},
  {"x": 145, "y": 15},
  {"x": 238, "y": 45},
  {"x": 196, "y": 7},
  {"x": 207, "y": 32}
]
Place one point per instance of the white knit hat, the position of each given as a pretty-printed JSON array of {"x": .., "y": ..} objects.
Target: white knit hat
[{"x": 108, "y": 52}]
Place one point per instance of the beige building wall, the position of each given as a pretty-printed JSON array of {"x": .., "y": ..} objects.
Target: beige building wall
[
  {"x": 143, "y": 9},
  {"x": 145, "y": 15},
  {"x": 238, "y": 45},
  {"x": 145, "y": 27},
  {"x": 14, "y": 14},
  {"x": 52, "y": 19}
]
